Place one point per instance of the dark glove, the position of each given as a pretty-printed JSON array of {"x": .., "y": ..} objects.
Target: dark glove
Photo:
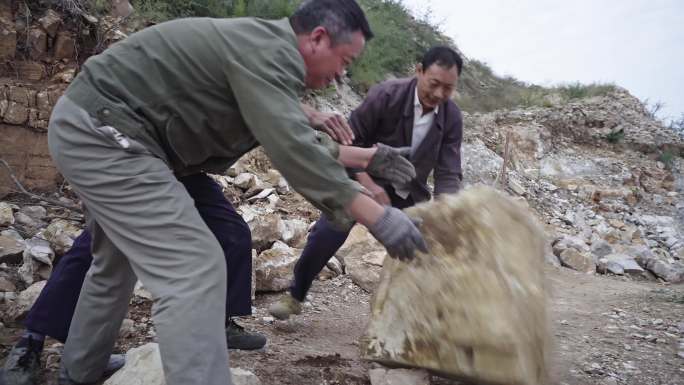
[
  {"x": 389, "y": 163},
  {"x": 399, "y": 234}
]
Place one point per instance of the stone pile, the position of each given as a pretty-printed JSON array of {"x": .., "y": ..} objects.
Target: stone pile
[
  {"x": 609, "y": 208},
  {"x": 144, "y": 366},
  {"x": 34, "y": 237},
  {"x": 615, "y": 118}
]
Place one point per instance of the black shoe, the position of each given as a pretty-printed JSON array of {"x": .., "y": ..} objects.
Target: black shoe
[
  {"x": 22, "y": 366},
  {"x": 239, "y": 338},
  {"x": 64, "y": 379},
  {"x": 116, "y": 362}
]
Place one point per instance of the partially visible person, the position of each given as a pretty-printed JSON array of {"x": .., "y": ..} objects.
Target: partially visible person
[
  {"x": 53, "y": 310},
  {"x": 415, "y": 112},
  {"x": 188, "y": 95}
]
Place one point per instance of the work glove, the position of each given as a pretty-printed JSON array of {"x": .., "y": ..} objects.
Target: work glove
[
  {"x": 399, "y": 234},
  {"x": 389, "y": 163}
]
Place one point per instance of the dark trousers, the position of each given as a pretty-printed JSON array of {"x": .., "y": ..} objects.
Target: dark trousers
[
  {"x": 52, "y": 312},
  {"x": 321, "y": 245}
]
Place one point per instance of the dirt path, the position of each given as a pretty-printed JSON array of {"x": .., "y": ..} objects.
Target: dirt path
[
  {"x": 608, "y": 331},
  {"x": 614, "y": 331}
]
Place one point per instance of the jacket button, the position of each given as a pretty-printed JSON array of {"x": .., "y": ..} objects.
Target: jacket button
[{"x": 105, "y": 112}]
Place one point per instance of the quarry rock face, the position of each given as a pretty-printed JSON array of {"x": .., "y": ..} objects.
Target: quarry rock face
[{"x": 47, "y": 44}]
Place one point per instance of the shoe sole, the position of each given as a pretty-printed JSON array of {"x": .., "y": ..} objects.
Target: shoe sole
[
  {"x": 283, "y": 316},
  {"x": 280, "y": 317},
  {"x": 245, "y": 347}
]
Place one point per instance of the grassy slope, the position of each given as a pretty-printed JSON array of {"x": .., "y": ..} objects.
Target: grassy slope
[{"x": 400, "y": 40}]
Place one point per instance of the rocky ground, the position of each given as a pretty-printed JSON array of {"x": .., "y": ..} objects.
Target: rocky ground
[
  {"x": 609, "y": 329},
  {"x": 600, "y": 174}
]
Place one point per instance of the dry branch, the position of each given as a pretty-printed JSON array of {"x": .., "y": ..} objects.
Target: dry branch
[{"x": 35, "y": 196}]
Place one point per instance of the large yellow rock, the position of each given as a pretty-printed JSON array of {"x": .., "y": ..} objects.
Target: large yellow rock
[{"x": 474, "y": 307}]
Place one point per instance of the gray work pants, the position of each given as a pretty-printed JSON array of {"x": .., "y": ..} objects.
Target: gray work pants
[{"x": 144, "y": 224}]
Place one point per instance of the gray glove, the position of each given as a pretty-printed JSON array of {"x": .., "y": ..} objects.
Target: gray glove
[
  {"x": 389, "y": 163},
  {"x": 399, "y": 234}
]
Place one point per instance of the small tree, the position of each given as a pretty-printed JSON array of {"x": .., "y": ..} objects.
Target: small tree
[
  {"x": 654, "y": 108},
  {"x": 677, "y": 125}
]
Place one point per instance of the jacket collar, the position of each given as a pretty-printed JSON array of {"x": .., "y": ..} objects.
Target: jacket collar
[
  {"x": 408, "y": 102},
  {"x": 416, "y": 102}
]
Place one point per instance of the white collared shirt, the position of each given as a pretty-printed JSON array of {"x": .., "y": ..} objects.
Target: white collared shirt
[
  {"x": 421, "y": 123},
  {"x": 421, "y": 126}
]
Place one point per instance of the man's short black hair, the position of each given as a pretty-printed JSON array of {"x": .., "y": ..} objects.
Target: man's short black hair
[
  {"x": 444, "y": 57},
  {"x": 340, "y": 18}
]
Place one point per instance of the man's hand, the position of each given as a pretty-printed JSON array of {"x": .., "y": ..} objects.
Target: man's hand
[
  {"x": 331, "y": 123},
  {"x": 389, "y": 163},
  {"x": 334, "y": 125},
  {"x": 376, "y": 191},
  {"x": 399, "y": 234}
]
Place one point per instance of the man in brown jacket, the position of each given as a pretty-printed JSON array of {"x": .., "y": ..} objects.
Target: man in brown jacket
[{"x": 414, "y": 112}]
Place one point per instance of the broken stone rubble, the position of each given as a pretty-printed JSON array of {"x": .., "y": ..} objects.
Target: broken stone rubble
[
  {"x": 37, "y": 260},
  {"x": 635, "y": 218},
  {"x": 19, "y": 307},
  {"x": 382, "y": 376},
  {"x": 61, "y": 235},
  {"x": 144, "y": 366},
  {"x": 274, "y": 268},
  {"x": 6, "y": 214}
]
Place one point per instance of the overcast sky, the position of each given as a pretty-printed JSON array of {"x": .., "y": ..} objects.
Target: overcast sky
[{"x": 637, "y": 44}]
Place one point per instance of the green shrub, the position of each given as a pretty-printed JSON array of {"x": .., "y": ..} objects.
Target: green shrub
[
  {"x": 668, "y": 158},
  {"x": 483, "y": 91},
  {"x": 161, "y": 10},
  {"x": 273, "y": 9},
  {"x": 579, "y": 91},
  {"x": 399, "y": 43},
  {"x": 574, "y": 91},
  {"x": 615, "y": 137}
]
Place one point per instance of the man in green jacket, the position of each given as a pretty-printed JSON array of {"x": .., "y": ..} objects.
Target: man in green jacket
[{"x": 194, "y": 95}]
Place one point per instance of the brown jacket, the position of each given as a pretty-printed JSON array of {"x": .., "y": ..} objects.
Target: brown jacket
[{"x": 386, "y": 116}]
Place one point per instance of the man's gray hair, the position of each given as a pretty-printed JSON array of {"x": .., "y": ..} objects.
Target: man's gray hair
[{"x": 340, "y": 18}]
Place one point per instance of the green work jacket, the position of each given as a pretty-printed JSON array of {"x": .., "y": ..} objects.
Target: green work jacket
[{"x": 199, "y": 93}]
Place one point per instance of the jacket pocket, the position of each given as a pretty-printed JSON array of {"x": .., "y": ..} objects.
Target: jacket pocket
[
  {"x": 185, "y": 144},
  {"x": 120, "y": 140},
  {"x": 195, "y": 145}
]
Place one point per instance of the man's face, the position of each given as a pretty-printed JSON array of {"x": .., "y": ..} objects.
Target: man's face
[
  {"x": 435, "y": 84},
  {"x": 324, "y": 61}
]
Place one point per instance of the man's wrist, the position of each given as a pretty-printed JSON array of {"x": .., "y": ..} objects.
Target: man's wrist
[
  {"x": 365, "y": 210},
  {"x": 369, "y": 152},
  {"x": 362, "y": 176},
  {"x": 309, "y": 112}
]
